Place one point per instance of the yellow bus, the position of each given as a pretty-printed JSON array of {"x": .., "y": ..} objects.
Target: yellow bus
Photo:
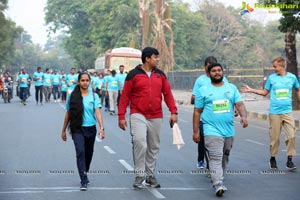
[{"x": 112, "y": 59}]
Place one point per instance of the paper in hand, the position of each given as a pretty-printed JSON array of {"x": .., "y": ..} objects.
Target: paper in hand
[{"x": 177, "y": 137}]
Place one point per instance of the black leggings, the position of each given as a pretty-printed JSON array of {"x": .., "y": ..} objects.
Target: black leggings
[
  {"x": 202, "y": 151},
  {"x": 39, "y": 89}
]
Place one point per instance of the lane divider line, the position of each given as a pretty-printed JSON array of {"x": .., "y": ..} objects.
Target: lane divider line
[
  {"x": 255, "y": 142},
  {"x": 107, "y": 148}
]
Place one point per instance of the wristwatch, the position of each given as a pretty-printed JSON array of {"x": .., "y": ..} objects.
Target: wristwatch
[{"x": 102, "y": 129}]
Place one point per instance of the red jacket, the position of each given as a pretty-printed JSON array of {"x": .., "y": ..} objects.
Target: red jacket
[{"x": 144, "y": 94}]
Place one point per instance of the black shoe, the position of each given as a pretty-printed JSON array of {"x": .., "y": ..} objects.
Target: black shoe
[
  {"x": 152, "y": 182},
  {"x": 138, "y": 183},
  {"x": 83, "y": 187},
  {"x": 290, "y": 165},
  {"x": 273, "y": 164}
]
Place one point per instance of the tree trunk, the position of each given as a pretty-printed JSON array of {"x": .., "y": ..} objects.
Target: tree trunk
[
  {"x": 291, "y": 62},
  {"x": 166, "y": 55},
  {"x": 144, "y": 14}
]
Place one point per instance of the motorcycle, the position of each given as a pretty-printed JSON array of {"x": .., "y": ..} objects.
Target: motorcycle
[{"x": 7, "y": 92}]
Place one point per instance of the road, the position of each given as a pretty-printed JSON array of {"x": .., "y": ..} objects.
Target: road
[{"x": 36, "y": 164}]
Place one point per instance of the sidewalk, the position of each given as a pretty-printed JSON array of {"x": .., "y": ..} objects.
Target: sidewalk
[{"x": 257, "y": 106}]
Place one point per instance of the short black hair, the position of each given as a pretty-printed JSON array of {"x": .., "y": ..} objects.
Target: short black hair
[
  {"x": 210, "y": 60},
  {"x": 148, "y": 52},
  {"x": 214, "y": 65}
]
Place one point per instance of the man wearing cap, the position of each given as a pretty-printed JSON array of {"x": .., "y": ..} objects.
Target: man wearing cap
[{"x": 215, "y": 105}]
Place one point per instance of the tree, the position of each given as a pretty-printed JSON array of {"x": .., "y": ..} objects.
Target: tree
[
  {"x": 72, "y": 18},
  {"x": 114, "y": 23},
  {"x": 9, "y": 32},
  {"x": 290, "y": 25},
  {"x": 190, "y": 37},
  {"x": 166, "y": 52}
]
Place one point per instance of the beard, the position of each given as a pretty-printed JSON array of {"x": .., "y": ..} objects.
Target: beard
[{"x": 216, "y": 80}]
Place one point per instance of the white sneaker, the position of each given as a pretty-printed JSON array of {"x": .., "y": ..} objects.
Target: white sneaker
[{"x": 219, "y": 189}]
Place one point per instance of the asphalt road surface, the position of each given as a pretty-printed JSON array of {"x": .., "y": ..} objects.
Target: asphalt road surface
[{"x": 36, "y": 164}]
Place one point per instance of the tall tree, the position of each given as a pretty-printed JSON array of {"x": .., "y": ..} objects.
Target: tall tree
[
  {"x": 114, "y": 23},
  {"x": 166, "y": 52},
  {"x": 290, "y": 25},
  {"x": 72, "y": 18},
  {"x": 144, "y": 14},
  {"x": 9, "y": 32}
]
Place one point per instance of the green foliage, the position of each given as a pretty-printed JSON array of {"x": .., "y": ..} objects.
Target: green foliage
[
  {"x": 114, "y": 23},
  {"x": 190, "y": 36},
  {"x": 9, "y": 31},
  {"x": 289, "y": 22}
]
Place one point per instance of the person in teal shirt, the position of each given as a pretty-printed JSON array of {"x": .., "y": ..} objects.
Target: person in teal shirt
[
  {"x": 23, "y": 81},
  {"x": 38, "y": 82},
  {"x": 99, "y": 87},
  {"x": 94, "y": 81},
  {"x": 215, "y": 106},
  {"x": 81, "y": 116},
  {"x": 112, "y": 87},
  {"x": 121, "y": 77},
  {"x": 47, "y": 85},
  {"x": 280, "y": 86},
  {"x": 56, "y": 78},
  {"x": 105, "y": 92},
  {"x": 64, "y": 89},
  {"x": 202, "y": 80},
  {"x": 71, "y": 80}
]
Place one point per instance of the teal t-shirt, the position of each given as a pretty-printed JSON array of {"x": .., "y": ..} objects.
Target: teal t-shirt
[
  {"x": 23, "y": 80},
  {"x": 280, "y": 88},
  {"x": 47, "y": 79},
  {"x": 100, "y": 84},
  {"x": 201, "y": 81},
  {"x": 113, "y": 83},
  {"x": 39, "y": 76},
  {"x": 72, "y": 80},
  {"x": 122, "y": 78},
  {"x": 218, "y": 108},
  {"x": 64, "y": 86},
  {"x": 90, "y": 103},
  {"x": 94, "y": 81},
  {"x": 56, "y": 79},
  {"x": 105, "y": 80}
]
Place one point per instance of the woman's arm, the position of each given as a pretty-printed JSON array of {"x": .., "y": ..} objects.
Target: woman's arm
[
  {"x": 66, "y": 123},
  {"x": 100, "y": 122}
]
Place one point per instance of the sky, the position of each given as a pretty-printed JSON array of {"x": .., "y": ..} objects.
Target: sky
[{"x": 30, "y": 15}]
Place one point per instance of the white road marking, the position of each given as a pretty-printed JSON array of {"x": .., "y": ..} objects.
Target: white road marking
[
  {"x": 183, "y": 189},
  {"x": 255, "y": 142},
  {"x": 153, "y": 191},
  {"x": 156, "y": 193},
  {"x": 126, "y": 165},
  {"x": 35, "y": 190},
  {"x": 107, "y": 148},
  {"x": 20, "y": 192},
  {"x": 62, "y": 105},
  {"x": 183, "y": 120}
]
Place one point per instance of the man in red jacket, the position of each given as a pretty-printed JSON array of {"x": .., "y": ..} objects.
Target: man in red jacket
[{"x": 144, "y": 87}]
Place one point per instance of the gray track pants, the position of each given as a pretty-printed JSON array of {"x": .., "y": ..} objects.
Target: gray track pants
[
  {"x": 145, "y": 143},
  {"x": 219, "y": 150}
]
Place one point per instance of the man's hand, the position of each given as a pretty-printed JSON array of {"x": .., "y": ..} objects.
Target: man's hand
[
  {"x": 245, "y": 88},
  {"x": 173, "y": 119},
  {"x": 244, "y": 122},
  {"x": 122, "y": 124},
  {"x": 196, "y": 137},
  {"x": 64, "y": 135}
]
